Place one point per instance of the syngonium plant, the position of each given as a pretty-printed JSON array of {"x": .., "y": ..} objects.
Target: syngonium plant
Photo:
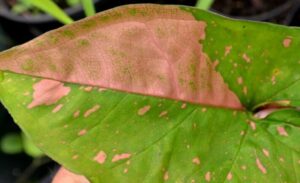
[{"x": 151, "y": 93}]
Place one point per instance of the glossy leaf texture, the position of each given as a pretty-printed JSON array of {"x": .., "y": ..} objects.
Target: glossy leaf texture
[{"x": 151, "y": 93}]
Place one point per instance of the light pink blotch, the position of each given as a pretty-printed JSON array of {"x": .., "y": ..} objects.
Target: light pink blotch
[
  {"x": 164, "y": 113},
  {"x": 281, "y": 130},
  {"x": 208, "y": 176},
  {"x": 91, "y": 110},
  {"x": 266, "y": 152},
  {"x": 82, "y": 132},
  {"x": 196, "y": 160},
  {"x": 76, "y": 114},
  {"x": 229, "y": 176},
  {"x": 261, "y": 166},
  {"x": 47, "y": 92},
  {"x": 287, "y": 42},
  {"x": 246, "y": 58},
  {"x": 142, "y": 111},
  {"x": 240, "y": 80},
  {"x": 166, "y": 176},
  {"x": 57, "y": 108},
  {"x": 100, "y": 157},
  {"x": 88, "y": 88},
  {"x": 227, "y": 50},
  {"x": 119, "y": 157},
  {"x": 253, "y": 125}
]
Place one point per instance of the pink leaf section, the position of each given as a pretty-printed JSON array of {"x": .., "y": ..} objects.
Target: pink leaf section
[{"x": 151, "y": 50}]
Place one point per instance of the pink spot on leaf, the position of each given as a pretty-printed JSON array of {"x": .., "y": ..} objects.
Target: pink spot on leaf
[
  {"x": 266, "y": 152},
  {"x": 91, "y": 110},
  {"x": 100, "y": 157},
  {"x": 47, "y": 92},
  {"x": 261, "y": 166},
  {"x": 246, "y": 58},
  {"x": 142, "y": 111},
  {"x": 119, "y": 157},
  {"x": 240, "y": 80},
  {"x": 227, "y": 50},
  {"x": 208, "y": 176},
  {"x": 183, "y": 106},
  {"x": 287, "y": 42},
  {"x": 166, "y": 176},
  {"x": 229, "y": 176},
  {"x": 76, "y": 114},
  {"x": 196, "y": 160},
  {"x": 82, "y": 132},
  {"x": 88, "y": 89},
  {"x": 164, "y": 113},
  {"x": 281, "y": 130},
  {"x": 57, "y": 108}
]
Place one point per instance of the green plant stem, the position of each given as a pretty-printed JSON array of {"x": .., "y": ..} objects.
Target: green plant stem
[
  {"x": 204, "y": 4},
  {"x": 88, "y": 6}
]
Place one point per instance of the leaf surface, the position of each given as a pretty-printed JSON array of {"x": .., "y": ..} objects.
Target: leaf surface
[{"x": 150, "y": 93}]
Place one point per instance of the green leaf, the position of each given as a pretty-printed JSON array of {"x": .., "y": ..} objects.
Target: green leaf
[
  {"x": 204, "y": 4},
  {"x": 150, "y": 93},
  {"x": 11, "y": 143},
  {"x": 88, "y": 6},
  {"x": 52, "y": 9}
]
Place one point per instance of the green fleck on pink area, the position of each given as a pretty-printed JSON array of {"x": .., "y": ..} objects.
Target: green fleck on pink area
[
  {"x": 246, "y": 58},
  {"x": 142, "y": 111},
  {"x": 166, "y": 176},
  {"x": 208, "y": 176},
  {"x": 100, "y": 157},
  {"x": 287, "y": 42},
  {"x": 196, "y": 161},
  {"x": 119, "y": 157},
  {"x": 82, "y": 132},
  {"x": 281, "y": 131},
  {"x": 91, "y": 111},
  {"x": 57, "y": 108},
  {"x": 47, "y": 92},
  {"x": 261, "y": 166}
]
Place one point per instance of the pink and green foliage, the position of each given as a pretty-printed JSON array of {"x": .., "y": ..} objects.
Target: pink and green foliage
[{"x": 150, "y": 93}]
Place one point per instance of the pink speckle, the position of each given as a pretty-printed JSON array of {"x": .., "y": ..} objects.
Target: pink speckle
[
  {"x": 82, "y": 132},
  {"x": 119, "y": 157},
  {"x": 246, "y": 58},
  {"x": 57, "y": 108},
  {"x": 166, "y": 176},
  {"x": 47, "y": 92},
  {"x": 91, "y": 110},
  {"x": 243, "y": 167},
  {"x": 88, "y": 89},
  {"x": 142, "y": 111},
  {"x": 229, "y": 176},
  {"x": 245, "y": 90},
  {"x": 164, "y": 113},
  {"x": 287, "y": 42},
  {"x": 227, "y": 50},
  {"x": 252, "y": 125},
  {"x": 100, "y": 157},
  {"x": 196, "y": 161},
  {"x": 260, "y": 166},
  {"x": 76, "y": 114},
  {"x": 281, "y": 130},
  {"x": 183, "y": 106},
  {"x": 266, "y": 152},
  {"x": 240, "y": 80},
  {"x": 125, "y": 170},
  {"x": 208, "y": 176}
]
